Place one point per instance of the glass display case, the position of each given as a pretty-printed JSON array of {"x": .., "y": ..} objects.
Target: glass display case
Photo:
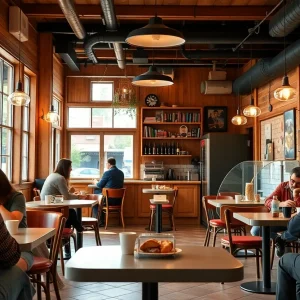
[{"x": 261, "y": 176}]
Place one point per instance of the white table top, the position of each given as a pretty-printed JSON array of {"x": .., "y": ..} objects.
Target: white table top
[
  {"x": 30, "y": 238},
  {"x": 158, "y": 191},
  {"x": 260, "y": 219},
  {"x": 195, "y": 263},
  {"x": 220, "y": 202},
  {"x": 71, "y": 203}
]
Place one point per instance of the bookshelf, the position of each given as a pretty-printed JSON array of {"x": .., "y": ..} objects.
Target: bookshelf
[{"x": 171, "y": 131}]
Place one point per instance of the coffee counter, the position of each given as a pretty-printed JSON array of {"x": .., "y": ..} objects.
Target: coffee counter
[{"x": 136, "y": 205}]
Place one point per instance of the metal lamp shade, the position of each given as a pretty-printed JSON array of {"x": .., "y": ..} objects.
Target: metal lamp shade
[
  {"x": 155, "y": 35},
  {"x": 152, "y": 78},
  {"x": 18, "y": 97},
  {"x": 285, "y": 92}
]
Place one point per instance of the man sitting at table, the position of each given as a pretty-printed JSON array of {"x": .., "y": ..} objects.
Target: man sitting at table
[
  {"x": 288, "y": 194},
  {"x": 113, "y": 178}
]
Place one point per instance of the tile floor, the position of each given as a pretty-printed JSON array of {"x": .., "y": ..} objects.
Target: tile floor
[{"x": 167, "y": 291}]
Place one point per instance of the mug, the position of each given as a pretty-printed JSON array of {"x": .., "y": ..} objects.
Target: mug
[
  {"x": 49, "y": 199},
  {"x": 238, "y": 198},
  {"x": 59, "y": 199},
  {"x": 127, "y": 242},
  {"x": 298, "y": 210},
  {"x": 12, "y": 226}
]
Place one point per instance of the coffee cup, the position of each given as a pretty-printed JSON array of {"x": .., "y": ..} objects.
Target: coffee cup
[
  {"x": 287, "y": 212},
  {"x": 49, "y": 199},
  {"x": 298, "y": 210},
  {"x": 59, "y": 199},
  {"x": 127, "y": 242},
  {"x": 238, "y": 198},
  {"x": 12, "y": 226},
  {"x": 83, "y": 193}
]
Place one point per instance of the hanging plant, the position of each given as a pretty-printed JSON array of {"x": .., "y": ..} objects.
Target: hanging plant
[{"x": 125, "y": 100}]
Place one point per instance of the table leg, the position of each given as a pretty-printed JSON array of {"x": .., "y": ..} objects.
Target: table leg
[
  {"x": 79, "y": 235},
  {"x": 265, "y": 286},
  {"x": 150, "y": 291},
  {"x": 158, "y": 221}
]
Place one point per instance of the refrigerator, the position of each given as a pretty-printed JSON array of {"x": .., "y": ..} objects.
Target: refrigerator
[{"x": 219, "y": 153}]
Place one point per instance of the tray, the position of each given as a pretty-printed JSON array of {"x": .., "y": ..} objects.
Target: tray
[{"x": 156, "y": 255}]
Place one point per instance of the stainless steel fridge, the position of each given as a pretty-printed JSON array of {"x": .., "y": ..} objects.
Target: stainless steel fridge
[{"x": 219, "y": 153}]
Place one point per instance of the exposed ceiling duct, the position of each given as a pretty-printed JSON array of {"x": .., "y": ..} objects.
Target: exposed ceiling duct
[
  {"x": 68, "y": 8},
  {"x": 277, "y": 28}
]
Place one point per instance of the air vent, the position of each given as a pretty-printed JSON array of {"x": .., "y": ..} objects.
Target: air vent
[
  {"x": 216, "y": 87},
  {"x": 19, "y": 31}
]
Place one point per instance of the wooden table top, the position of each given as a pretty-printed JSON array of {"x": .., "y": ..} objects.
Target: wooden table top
[
  {"x": 194, "y": 263},
  {"x": 30, "y": 238},
  {"x": 220, "y": 202},
  {"x": 76, "y": 203},
  {"x": 261, "y": 219},
  {"x": 93, "y": 186},
  {"x": 158, "y": 191}
]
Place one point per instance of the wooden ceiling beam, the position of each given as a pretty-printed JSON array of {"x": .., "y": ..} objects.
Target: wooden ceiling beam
[{"x": 144, "y": 12}]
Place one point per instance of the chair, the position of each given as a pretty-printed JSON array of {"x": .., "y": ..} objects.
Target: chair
[
  {"x": 37, "y": 198},
  {"x": 215, "y": 225},
  {"x": 91, "y": 222},
  {"x": 236, "y": 243},
  {"x": 231, "y": 194},
  {"x": 36, "y": 192},
  {"x": 113, "y": 194},
  {"x": 166, "y": 208},
  {"x": 41, "y": 265}
]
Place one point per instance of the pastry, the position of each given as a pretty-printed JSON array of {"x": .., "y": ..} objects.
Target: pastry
[
  {"x": 151, "y": 246},
  {"x": 166, "y": 246}
]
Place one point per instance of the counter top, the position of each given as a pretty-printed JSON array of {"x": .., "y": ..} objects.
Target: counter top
[{"x": 140, "y": 181}]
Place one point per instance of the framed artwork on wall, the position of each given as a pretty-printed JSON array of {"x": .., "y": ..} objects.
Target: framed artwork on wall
[
  {"x": 215, "y": 119},
  {"x": 289, "y": 135}
]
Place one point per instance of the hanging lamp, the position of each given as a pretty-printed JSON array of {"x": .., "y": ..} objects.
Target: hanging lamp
[
  {"x": 152, "y": 78},
  {"x": 51, "y": 116},
  {"x": 285, "y": 92},
  {"x": 19, "y": 97},
  {"x": 155, "y": 35}
]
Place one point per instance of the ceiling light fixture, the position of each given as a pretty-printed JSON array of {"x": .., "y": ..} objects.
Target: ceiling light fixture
[
  {"x": 155, "y": 35},
  {"x": 152, "y": 78},
  {"x": 19, "y": 97},
  {"x": 285, "y": 92},
  {"x": 51, "y": 117}
]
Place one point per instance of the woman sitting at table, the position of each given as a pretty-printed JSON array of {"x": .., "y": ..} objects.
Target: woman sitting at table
[
  {"x": 57, "y": 184},
  {"x": 14, "y": 282}
]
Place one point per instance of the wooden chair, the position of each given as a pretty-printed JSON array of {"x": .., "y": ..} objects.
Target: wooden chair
[
  {"x": 113, "y": 194},
  {"x": 236, "y": 243},
  {"x": 36, "y": 192},
  {"x": 216, "y": 225},
  {"x": 37, "y": 198},
  {"x": 41, "y": 265},
  {"x": 166, "y": 208},
  {"x": 231, "y": 194},
  {"x": 90, "y": 222}
]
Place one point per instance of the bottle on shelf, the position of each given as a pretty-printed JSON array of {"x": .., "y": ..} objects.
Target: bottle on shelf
[
  {"x": 177, "y": 149},
  {"x": 275, "y": 207},
  {"x": 158, "y": 149},
  {"x": 173, "y": 149},
  {"x": 169, "y": 148},
  {"x": 154, "y": 149},
  {"x": 162, "y": 149},
  {"x": 145, "y": 149},
  {"x": 166, "y": 149},
  {"x": 149, "y": 149}
]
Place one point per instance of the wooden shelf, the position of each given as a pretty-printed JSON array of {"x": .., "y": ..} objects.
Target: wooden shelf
[
  {"x": 167, "y": 155},
  {"x": 170, "y": 138},
  {"x": 171, "y": 123},
  {"x": 171, "y": 108}
]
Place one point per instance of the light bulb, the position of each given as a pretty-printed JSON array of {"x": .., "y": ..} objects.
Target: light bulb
[
  {"x": 251, "y": 111},
  {"x": 285, "y": 92},
  {"x": 18, "y": 97},
  {"x": 152, "y": 81},
  {"x": 125, "y": 91},
  {"x": 156, "y": 37},
  {"x": 239, "y": 120}
]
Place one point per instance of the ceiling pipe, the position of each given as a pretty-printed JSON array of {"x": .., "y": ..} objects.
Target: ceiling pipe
[
  {"x": 277, "y": 28},
  {"x": 68, "y": 9}
]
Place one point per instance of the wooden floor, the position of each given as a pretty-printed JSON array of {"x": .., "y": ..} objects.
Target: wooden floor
[{"x": 175, "y": 291}]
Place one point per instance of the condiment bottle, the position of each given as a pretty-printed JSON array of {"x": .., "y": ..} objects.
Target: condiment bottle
[
  {"x": 275, "y": 207},
  {"x": 153, "y": 185}
]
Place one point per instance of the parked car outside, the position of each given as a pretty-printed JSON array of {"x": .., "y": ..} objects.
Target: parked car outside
[{"x": 86, "y": 173}]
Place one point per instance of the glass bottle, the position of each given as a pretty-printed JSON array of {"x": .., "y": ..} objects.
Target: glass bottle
[{"x": 275, "y": 207}]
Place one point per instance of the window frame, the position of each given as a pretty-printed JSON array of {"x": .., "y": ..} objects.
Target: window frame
[{"x": 101, "y": 82}]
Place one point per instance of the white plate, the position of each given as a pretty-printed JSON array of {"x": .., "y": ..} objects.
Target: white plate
[
  {"x": 157, "y": 255},
  {"x": 152, "y": 201}
]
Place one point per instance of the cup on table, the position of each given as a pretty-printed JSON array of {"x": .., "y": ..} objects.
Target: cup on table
[
  {"x": 257, "y": 197},
  {"x": 59, "y": 199},
  {"x": 287, "y": 212},
  {"x": 298, "y": 210},
  {"x": 83, "y": 193},
  {"x": 238, "y": 198},
  {"x": 127, "y": 242},
  {"x": 12, "y": 226},
  {"x": 49, "y": 199}
]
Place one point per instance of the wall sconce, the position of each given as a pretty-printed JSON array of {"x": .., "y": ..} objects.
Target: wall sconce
[{"x": 51, "y": 116}]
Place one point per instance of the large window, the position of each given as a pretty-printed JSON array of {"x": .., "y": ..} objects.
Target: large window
[
  {"x": 102, "y": 91},
  {"x": 25, "y": 132},
  {"x": 6, "y": 117}
]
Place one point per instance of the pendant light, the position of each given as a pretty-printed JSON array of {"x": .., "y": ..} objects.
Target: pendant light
[
  {"x": 239, "y": 119},
  {"x": 251, "y": 110},
  {"x": 285, "y": 92},
  {"x": 51, "y": 116},
  {"x": 19, "y": 97}
]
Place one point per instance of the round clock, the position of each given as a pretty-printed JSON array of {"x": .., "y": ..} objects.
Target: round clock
[{"x": 152, "y": 100}]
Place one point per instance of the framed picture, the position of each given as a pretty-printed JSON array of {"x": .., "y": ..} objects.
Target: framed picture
[
  {"x": 215, "y": 118},
  {"x": 289, "y": 134}
]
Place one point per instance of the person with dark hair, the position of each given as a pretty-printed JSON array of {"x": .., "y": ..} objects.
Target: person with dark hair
[
  {"x": 113, "y": 178},
  {"x": 288, "y": 193}
]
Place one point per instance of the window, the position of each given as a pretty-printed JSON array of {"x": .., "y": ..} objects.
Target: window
[
  {"x": 6, "y": 117},
  {"x": 56, "y": 106},
  {"x": 25, "y": 132},
  {"x": 102, "y": 91},
  {"x": 86, "y": 117}
]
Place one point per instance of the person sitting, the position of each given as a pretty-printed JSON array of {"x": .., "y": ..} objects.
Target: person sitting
[
  {"x": 288, "y": 277},
  {"x": 285, "y": 195},
  {"x": 113, "y": 178},
  {"x": 14, "y": 282}
]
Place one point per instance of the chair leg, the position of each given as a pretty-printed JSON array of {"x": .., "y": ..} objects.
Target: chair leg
[
  {"x": 257, "y": 263},
  {"x": 47, "y": 286},
  {"x": 38, "y": 286},
  {"x": 62, "y": 262},
  {"x": 272, "y": 252},
  {"x": 151, "y": 219},
  {"x": 173, "y": 221},
  {"x": 122, "y": 219},
  {"x": 214, "y": 236},
  {"x": 106, "y": 219},
  {"x": 73, "y": 236},
  {"x": 56, "y": 289},
  {"x": 206, "y": 237},
  {"x": 97, "y": 234}
]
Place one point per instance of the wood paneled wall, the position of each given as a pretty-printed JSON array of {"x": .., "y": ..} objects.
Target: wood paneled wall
[
  {"x": 58, "y": 78},
  {"x": 29, "y": 50}
]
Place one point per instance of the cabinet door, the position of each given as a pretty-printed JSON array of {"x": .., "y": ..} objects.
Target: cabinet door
[
  {"x": 187, "y": 203},
  {"x": 143, "y": 200},
  {"x": 129, "y": 201}
]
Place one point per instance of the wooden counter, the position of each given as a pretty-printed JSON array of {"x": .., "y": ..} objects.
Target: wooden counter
[{"x": 136, "y": 205}]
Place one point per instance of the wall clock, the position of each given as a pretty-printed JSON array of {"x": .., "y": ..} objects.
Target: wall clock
[{"x": 151, "y": 100}]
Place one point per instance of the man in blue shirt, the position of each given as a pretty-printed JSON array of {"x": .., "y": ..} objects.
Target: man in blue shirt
[{"x": 113, "y": 178}]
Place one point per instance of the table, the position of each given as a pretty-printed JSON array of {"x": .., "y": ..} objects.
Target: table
[
  {"x": 158, "y": 214},
  {"x": 220, "y": 202},
  {"x": 265, "y": 220},
  {"x": 194, "y": 264},
  {"x": 30, "y": 238},
  {"x": 77, "y": 204}
]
